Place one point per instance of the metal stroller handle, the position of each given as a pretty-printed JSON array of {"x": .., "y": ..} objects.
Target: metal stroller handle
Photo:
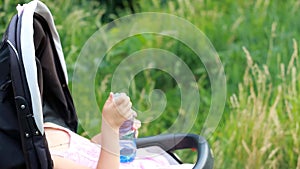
[{"x": 171, "y": 142}]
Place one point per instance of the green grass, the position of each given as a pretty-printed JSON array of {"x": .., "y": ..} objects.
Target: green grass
[
  {"x": 258, "y": 45},
  {"x": 263, "y": 121}
]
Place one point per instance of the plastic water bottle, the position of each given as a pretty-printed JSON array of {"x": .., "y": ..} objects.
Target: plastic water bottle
[{"x": 127, "y": 140}]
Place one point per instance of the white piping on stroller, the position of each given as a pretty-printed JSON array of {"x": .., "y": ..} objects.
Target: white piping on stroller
[{"x": 28, "y": 53}]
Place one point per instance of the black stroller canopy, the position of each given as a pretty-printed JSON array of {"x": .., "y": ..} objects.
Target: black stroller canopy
[{"x": 35, "y": 85}]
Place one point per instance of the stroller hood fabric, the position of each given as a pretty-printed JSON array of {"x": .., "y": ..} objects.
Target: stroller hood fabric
[
  {"x": 33, "y": 88},
  {"x": 28, "y": 52}
]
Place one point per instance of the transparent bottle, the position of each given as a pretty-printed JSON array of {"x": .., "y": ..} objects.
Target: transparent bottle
[{"x": 127, "y": 142}]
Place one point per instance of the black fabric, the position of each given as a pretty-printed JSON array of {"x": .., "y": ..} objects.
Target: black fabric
[
  {"x": 21, "y": 143},
  {"x": 58, "y": 105},
  {"x": 33, "y": 143},
  {"x": 10, "y": 141}
]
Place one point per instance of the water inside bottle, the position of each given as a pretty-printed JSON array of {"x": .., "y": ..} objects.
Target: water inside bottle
[{"x": 127, "y": 151}]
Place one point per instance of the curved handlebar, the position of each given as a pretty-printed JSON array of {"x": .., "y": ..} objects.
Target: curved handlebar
[{"x": 171, "y": 142}]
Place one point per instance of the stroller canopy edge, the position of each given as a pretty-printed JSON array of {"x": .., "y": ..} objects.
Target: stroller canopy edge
[{"x": 26, "y": 13}]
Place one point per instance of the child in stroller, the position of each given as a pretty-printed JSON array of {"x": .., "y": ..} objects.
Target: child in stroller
[{"x": 70, "y": 150}]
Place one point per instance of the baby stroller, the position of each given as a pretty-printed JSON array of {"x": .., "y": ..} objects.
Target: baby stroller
[{"x": 33, "y": 85}]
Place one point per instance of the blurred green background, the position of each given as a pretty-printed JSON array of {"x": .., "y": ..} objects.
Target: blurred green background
[{"x": 257, "y": 42}]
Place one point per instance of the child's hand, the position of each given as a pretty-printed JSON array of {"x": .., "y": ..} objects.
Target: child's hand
[{"x": 117, "y": 110}]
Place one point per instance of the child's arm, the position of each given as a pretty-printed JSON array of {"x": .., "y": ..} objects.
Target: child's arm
[{"x": 114, "y": 113}]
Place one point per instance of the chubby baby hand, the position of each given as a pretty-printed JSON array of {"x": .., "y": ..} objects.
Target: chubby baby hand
[{"x": 117, "y": 109}]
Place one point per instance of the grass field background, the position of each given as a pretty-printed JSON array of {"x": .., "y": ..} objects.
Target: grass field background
[{"x": 258, "y": 44}]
